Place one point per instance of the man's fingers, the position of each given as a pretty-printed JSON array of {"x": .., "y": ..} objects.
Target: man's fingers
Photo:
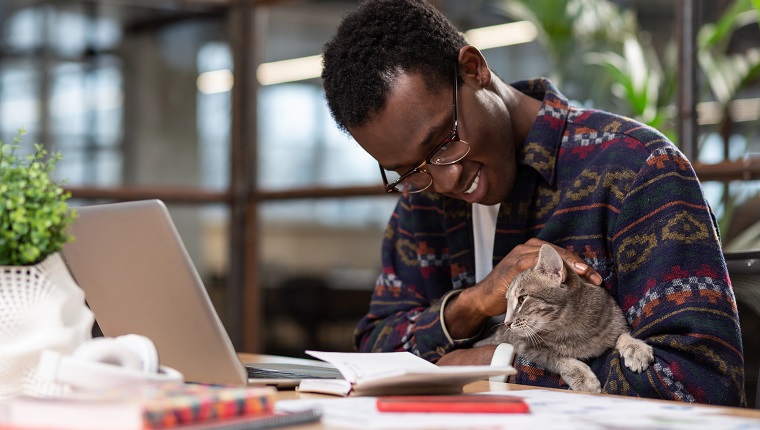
[
  {"x": 579, "y": 266},
  {"x": 583, "y": 269},
  {"x": 524, "y": 257},
  {"x": 595, "y": 278}
]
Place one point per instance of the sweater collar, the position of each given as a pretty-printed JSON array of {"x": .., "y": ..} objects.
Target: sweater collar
[{"x": 542, "y": 145}]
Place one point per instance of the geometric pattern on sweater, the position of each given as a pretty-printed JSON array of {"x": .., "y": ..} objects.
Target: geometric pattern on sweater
[
  {"x": 677, "y": 291},
  {"x": 678, "y": 388}
]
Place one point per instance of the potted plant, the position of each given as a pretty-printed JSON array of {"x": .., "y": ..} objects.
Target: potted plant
[{"x": 41, "y": 307}]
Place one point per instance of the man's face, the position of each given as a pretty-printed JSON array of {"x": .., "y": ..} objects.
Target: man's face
[{"x": 416, "y": 119}]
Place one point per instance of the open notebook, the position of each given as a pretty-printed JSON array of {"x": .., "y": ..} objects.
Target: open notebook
[{"x": 138, "y": 278}]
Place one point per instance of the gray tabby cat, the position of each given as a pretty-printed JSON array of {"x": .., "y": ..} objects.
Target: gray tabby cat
[{"x": 556, "y": 324}]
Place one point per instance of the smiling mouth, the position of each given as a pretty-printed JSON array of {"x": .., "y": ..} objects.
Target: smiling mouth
[{"x": 474, "y": 185}]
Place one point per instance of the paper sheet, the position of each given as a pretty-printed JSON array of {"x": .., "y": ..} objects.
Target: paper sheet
[
  {"x": 551, "y": 410},
  {"x": 356, "y": 365}
]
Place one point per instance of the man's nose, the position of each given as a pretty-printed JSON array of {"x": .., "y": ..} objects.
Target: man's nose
[{"x": 445, "y": 178}]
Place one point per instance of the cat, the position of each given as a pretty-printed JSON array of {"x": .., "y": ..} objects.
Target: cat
[{"x": 557, "y": 324}]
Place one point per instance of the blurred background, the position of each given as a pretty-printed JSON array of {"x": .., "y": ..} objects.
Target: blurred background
[{"x": 216, "y": 107}]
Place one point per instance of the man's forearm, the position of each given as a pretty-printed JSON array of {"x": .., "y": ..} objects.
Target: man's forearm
[{"x": 468, "y": 356}]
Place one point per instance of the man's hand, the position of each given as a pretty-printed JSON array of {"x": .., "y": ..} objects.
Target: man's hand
[{"x": 466, "y": 313}]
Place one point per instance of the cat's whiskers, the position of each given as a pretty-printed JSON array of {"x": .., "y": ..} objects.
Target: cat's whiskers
[
  {"x": 496, "y": 326},
  {"x": 533, "y": 340},
  {"x": 534, "y": 336}
]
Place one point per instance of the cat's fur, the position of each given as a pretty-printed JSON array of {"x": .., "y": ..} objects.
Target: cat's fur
[{"x": 556, "y": 324}]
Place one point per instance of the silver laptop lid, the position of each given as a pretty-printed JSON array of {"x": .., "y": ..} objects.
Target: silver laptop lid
[{"x": 138, "y": 278}]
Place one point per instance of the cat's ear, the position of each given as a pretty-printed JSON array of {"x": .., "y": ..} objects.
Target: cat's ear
[{"x": 550, "y": 262}]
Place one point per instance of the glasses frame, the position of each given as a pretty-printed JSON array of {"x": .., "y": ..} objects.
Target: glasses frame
[{"x": 452, "y": 137}]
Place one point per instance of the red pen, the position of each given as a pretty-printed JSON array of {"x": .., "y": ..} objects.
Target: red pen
[{"x": 461, "y": 403}]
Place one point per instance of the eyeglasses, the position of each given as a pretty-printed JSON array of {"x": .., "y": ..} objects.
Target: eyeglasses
[{"x": 448, "y": 152}]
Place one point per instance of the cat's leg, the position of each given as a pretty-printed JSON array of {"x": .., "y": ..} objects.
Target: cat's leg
[
  {"x": 636, "y": 354},
  {"x": 578, "y": 375},
  {"x": 574, "y": 372}
]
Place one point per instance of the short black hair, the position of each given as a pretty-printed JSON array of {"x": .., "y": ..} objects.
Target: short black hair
[{"x": 374, "y": 43}]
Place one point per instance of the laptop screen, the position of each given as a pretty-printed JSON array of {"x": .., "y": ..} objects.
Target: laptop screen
[{"x": 138, "y": 278}]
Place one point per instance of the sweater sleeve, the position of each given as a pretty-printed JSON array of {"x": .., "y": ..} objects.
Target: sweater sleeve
[
  {"x": 405, "y": 308},
  {"x": 673, "y": 287}
]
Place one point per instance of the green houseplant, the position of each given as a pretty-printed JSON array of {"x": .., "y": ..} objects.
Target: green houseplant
[
  {"x": 41, "y": 305},
  {"x": 34, "y": 214}
]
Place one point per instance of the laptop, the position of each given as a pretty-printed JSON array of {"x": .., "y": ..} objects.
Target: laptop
[{"x": 138, "y": 278}]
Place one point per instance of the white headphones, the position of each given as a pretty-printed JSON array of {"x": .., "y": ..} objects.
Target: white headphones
[{"x": 104, "y": 363}]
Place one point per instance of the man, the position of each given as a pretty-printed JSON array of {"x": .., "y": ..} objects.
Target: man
[{"x": 488, "y": 172}]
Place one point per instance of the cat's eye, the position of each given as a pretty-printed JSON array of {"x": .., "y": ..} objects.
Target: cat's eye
[{"x": 520, "y": 300}]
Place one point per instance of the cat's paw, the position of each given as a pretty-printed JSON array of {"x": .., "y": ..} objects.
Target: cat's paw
[
  {"x": 636, "y": 354},
  {"x": 588, "y": 385},
  {"x": 580, "y": 378}
]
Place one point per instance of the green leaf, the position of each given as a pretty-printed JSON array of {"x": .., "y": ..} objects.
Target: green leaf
[{"x": 720, "y": 32}]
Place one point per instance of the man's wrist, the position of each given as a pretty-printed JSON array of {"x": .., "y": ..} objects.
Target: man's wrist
[
  {"x": 469, "y": 318},
  {"x": 444, "y": 301},
  {"x": 465, "y": 321}
]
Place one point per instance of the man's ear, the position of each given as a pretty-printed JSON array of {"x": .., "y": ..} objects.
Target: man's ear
[{"x": 473, "y": 67}]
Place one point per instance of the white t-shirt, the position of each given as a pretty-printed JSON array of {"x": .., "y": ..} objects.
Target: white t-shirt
[{"x": 484, "y": 232}]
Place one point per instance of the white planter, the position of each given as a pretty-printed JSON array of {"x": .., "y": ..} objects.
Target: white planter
[{"x": 41, "y": 307}]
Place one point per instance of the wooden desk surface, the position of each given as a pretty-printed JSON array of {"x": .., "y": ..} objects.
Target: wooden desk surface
[{"x": 475, "y": 387}]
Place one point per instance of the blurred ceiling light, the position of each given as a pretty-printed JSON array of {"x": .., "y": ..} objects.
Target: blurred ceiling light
[
  {"x": 495, "y": 36},
  {"x": 216, "y": 81},
  {"x": 299, "y": 69},
  {"x": 296, "y": 69}
]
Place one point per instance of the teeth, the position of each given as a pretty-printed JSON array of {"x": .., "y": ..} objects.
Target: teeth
[{"x": 474, "y": 185}]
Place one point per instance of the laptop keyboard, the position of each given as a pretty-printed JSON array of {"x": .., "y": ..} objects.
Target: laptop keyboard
[{"x": 255, "y": 373}]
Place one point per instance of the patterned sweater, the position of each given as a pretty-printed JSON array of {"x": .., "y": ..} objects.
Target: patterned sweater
[{"x": 625, "y": 199}]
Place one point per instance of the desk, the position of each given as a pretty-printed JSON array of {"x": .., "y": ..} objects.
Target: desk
[{"x": 475, "y": 387}]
